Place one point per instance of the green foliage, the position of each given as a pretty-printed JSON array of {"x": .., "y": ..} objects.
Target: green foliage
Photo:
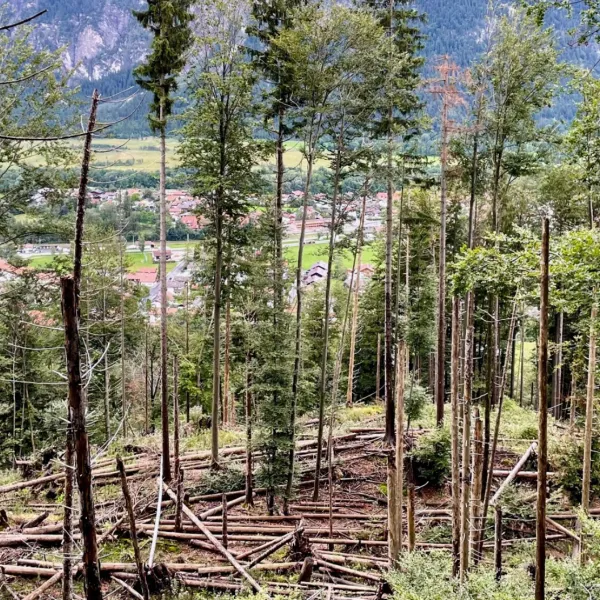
[
  {"x": 223, "y": 480},
  {"x": 416, "y": 397},
  {"x": 169, "y": 22},
  {"x": 567, "y": 458},
  {"x": 431, "y": 458}
]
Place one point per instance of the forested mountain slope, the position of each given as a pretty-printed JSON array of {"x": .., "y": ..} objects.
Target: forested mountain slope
[{"x": 103, "y": 41}]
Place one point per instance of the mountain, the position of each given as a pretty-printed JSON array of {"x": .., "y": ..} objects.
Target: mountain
[{"x": 103, "y": 41}]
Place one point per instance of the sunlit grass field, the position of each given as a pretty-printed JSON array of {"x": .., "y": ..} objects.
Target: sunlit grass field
[
  {"x": 144, "y": 154},
  {"x": 312, "y": 254}
]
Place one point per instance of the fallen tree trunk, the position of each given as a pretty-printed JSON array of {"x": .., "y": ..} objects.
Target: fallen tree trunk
[
  {"x": 215, "y": 542},
  {"x": 45, "y": 586}
]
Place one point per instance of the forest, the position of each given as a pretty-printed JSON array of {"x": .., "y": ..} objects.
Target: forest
[{"x": 345, "y": 349}]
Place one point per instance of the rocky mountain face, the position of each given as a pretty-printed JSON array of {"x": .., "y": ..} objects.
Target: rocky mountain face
[{"x": 100, "y": 37}]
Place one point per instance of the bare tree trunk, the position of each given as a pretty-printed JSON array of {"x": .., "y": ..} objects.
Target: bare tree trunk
[
  {"x": 498, "y": 542},
  {"x": 466, "y": 445},
  {"x": 226, "y": 415},
  {"x": 522, "y": 362},
  {"x": 176, "y": 460},
  {"x": 217, "y": 342},
  {"x": 132, "y": 530},
  {"x": 388, "y": 382},
  {"x": 410, "y": 506},
  {"x": 106, "y": 391},
  {"x": 476, "y": 524},
  {"x": 146, "y": 414},
  {"x": 70, "y": 288},
  {"x": 557, "y": 372},
  {"x": 82, "y": 449},
  {"x": 122, "y": 307},
  {"x": 396, "y": 478},
  {"x": 187, "y": 344},
  {"x": 589, "y": 415},
  {"x": 164, "y": 388},
  {"x": 456, "y": 529},
  {"x": 540, "y": 528},
  {"x": 249, "y": 468},
  {"x": 378, "y": 370},
  {"x": 355, "y": 294},
  {"x": 325, "y": 349},
  {"x": 298, "y": 329},
  {"x": 440, "y": 366},
  {"x": 67, "y": 590}
]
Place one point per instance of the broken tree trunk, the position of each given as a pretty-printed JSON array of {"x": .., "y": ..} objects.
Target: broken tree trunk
[
  {"x": 133, "y": 531},
  {"x": 67, "y": 588},
  {"x": 82, "y": 449},
  {"x": 215, "y": 542}
]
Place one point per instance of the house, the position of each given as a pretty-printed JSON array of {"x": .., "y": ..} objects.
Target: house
[
  {"x": 156, "y": 255},
  {"x": 144, "y": 276},
  {"x": 316, "y": 274},
  {"x": 366, "y": 273}
]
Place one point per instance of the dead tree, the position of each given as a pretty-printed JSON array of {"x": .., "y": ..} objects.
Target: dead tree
[
  {"x": 540, "y": 526},
  {"x": 67, "y": 591},
  {"x": 70, "y": 289},
  {"x": 139, "y": 563},
  {"x": 82, "y": 449},
  {"x": 445, "y": 87}
]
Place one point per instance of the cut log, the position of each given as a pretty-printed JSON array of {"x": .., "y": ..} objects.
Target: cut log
[
  {"x": 516, "y": 471},
  {"x": 45, "y": 586},
  {"x": 275, "y": 546},
  {"x": 306, "y": 570},
  {"x": 127, "y": 587},
  {"x": 36, "y": 521},
  {"x": 348, "y": 570},
  {"x": 215, "y": 542}
]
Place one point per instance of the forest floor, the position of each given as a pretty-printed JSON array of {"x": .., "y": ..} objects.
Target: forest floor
[{"x": 341, "y": 537}]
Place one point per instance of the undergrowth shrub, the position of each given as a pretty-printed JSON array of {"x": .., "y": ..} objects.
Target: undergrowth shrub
[
  {"x": 431, "y": 458},
  {"x": 221, "y": 481},
  {"x": 567, "y": 459}
]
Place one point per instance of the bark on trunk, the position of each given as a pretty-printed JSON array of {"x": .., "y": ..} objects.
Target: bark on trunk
[
  {"x": 139, "y": 563},
  {"x": 589, "y": 415},
  {"x": 356, "y": 292},
  {"x": 466, "y": 445},
  {"x": 455, "y": 437},
  {"x": 67, "y": 590},
  {"x": 82, "y": 450},
  {"x": 325, "y": 349},
  {"x": 216, "y": 392},
  {"x": 540, "y": 529},
  {"x": 164, "y": 381}
]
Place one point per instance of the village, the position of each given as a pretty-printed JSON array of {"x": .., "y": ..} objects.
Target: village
[{"x": 184, "y": 211}]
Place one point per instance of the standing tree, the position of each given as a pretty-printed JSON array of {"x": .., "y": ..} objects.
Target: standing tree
[
  {"x": 398, "y": 105},
  {"x": 220, "y": 150},
  {"x": 169, "y": 22}
]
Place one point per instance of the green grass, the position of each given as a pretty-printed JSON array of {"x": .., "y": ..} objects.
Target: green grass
[
  {"x": 318, "y": 252},
  {"x": 135, "y": 261},
  {"x": 144, "y": 154}
]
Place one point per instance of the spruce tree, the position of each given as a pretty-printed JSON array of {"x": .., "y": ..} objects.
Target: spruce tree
[
  {"x": 399, "y": 105},
  {"x": 169, "y": 22}
]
